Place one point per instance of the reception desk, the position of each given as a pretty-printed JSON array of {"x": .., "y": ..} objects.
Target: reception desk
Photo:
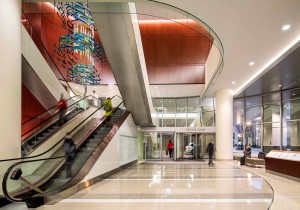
[{"x": 286, "y": 163}]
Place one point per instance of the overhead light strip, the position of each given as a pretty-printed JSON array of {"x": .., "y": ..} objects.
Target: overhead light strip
[{"x": 268, "y": 64}]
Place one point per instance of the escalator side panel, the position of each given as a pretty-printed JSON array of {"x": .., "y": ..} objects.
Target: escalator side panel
[{"x": 56, "y": 194}]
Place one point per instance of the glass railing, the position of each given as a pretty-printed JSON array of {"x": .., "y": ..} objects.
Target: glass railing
[
  {"x": 46, "y": 127},
  {"x": 40, "y": 168},
  {"x": 32, "y": 125}
]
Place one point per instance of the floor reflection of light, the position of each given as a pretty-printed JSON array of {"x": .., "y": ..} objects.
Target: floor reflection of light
[
  {"x": 192, "y": 177},
  {"x": 156, "y": 178},
  {"x": 249, "y": 176},
  {"x": 168, "y": 191}
]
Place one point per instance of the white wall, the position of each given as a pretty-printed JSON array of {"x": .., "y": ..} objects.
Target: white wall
[
  {"x": 212, "y": 63},
  {"x": 10, "y": 78},
  {"x": 121, "y": 150},
  {"x": 224, "y": 122}
]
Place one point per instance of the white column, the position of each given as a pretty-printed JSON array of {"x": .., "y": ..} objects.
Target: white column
[
  {"x": 10, "y": 78},
  {"x": 224, "y": 124}
]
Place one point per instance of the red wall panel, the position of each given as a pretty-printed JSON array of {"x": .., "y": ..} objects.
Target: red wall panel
[
  {"x": 175, "y": 53},
  {"x": 31, "y": 107}
]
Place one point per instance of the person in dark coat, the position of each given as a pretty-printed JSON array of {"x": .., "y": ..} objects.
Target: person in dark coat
[
  {"x": 69, "y": 148},
  {"x": 247, "y": 154},
  {"x": 210, "y": 151}
]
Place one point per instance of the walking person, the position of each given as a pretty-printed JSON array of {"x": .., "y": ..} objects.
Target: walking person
[
  {"x": 61, "y": 108},
  {"x": 95, "y": 99},
  {"x": 69, "y": 148},
  {"x": 210, "y": 151},
  {"x": 170, "y": 148}
]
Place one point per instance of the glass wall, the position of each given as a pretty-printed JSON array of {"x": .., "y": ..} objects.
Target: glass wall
[
  {"x": 267, "y": 122},
  {"x": 184, "y": 112}
]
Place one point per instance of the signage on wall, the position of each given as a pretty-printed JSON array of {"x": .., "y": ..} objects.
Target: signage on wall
[
  {"x": 195, "y": 129},
  {"x": 181, "y": 129}
]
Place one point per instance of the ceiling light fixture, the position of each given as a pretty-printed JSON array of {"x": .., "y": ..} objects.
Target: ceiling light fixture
[
  {"x": 268, "y": 64},
  {"x": 279, "y": 85},
  {"x": 234, "y": 82},
  {"x": 251, "y": 63},
  {"x": 285, "y": 27}
]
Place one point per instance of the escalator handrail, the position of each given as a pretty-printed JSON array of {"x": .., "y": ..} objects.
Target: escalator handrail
[
  {"x": 54, "y": 116},
  {"x": 5, "y": 177},
  {"x": 47, "y": 110},
  {"x": 61, "y": 139}
]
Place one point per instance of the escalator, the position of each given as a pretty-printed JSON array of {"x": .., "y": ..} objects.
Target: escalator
[
  {"x": 40, "y": 128},
  {"x": 38, "y": 179}
]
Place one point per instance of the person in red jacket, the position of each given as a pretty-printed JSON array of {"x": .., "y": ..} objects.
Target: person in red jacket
[
  {"x": 170, "y": 147},
  {"x": 62, "y": 109}
]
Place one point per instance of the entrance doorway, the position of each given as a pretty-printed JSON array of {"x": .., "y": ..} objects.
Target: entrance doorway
[
  {"x": 192, "y": 146},
  {"x": 187, "y": 146},
  {"x": 156, "y": 145}
]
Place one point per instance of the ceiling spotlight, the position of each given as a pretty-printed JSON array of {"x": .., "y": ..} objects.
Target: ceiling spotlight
[
  {"x": 294, "y": 94},
  {"x": 286, "y": 27},
  {"x": 279, "y": 85},
  {"x": 234, "y": 82},
  {"x": 251, "y": 63},
  {"x": 155, "y": 86}
]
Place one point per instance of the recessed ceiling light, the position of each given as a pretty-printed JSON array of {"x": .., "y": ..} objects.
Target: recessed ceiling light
[
  {"x": 285, "y": 27},
  {"x": 279, "y": 85},
  {"x": 294, "y": 94},
  {"x": 234, "y": 82},
  {"x": 251, "y": 63},
  {"x": 155, "y": 86}
]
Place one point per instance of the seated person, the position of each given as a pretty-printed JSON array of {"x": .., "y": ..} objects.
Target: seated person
[
  {"x": 247, "y": 154},
  {"x": 247, "y": 151}
]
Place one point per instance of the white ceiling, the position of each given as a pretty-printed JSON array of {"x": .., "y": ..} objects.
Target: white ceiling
[
  {"x": 173, "y": 91},
  {"x": 250, "y": 30}
]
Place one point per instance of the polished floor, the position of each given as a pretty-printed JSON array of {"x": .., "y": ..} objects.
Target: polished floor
[{"x": 186, "y": 185}]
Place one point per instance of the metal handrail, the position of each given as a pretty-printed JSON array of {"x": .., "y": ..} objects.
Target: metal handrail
[
  {"x": 4, "y": 181},
  {"x": 60, "y": 140},
  {"x": 54, "y": 115},
  {"x": 48, "y": 110}
]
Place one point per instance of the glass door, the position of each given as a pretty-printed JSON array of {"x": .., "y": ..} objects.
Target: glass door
[{"x": 152, "y": 142}]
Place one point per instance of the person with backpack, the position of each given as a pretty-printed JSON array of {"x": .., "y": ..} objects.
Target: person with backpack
[{"x": 108, "y": 108}]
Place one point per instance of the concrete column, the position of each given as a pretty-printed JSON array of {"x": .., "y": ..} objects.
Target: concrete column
[
  {"x": 224, "y": 124},
  {"x": 10, "y": 79}
]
